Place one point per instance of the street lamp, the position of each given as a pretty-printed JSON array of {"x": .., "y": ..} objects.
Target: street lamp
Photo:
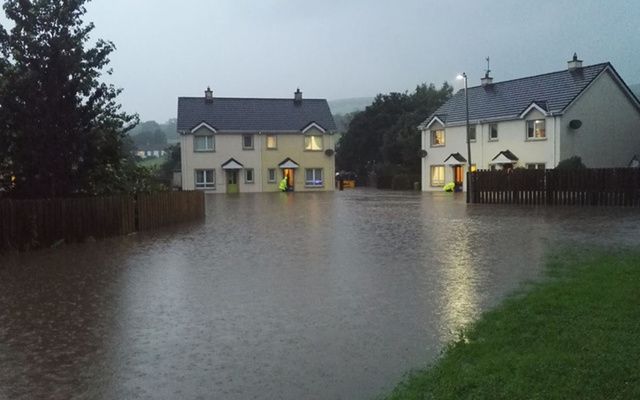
[{"x": 466, "y": 99}]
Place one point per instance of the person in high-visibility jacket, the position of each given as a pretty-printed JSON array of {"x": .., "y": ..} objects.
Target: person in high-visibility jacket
[{"x": 283, "y": 184}]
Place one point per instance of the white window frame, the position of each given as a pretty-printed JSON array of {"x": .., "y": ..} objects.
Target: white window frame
[
  {"x": 209, "y": 139},
  {"x": 269, "y": 171},
  {"x": 536, "y": 165},
  {"x": 433, "y": 135},
  {"x": 315, "y": 181},
  {"x": 475, "y": 133},
  {"x": 437, "y": 183},
  {"x": 244, "y": 147},
  {"x": 306, "y": 144},
  {"x": 533, "y": 122},
  {"x": 493, "y": 139},
  {"x": 275, "y": 141},
  {"x": 206, "y": 184},
  {"x": 246, "y": 177}
]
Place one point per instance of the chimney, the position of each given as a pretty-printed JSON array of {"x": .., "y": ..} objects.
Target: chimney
[
  {"x": 208, "y": 95},
  {"x": 574, "y": 64},
  {"x": 297, "y": 97},
  {"x": 486, "y": 80}
]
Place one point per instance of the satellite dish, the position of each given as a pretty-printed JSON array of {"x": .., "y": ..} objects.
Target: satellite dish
[
  {"x": 423, "y": 153},
  {"x": 329, "y": 152},
  {"x": 575, "y": 124}
]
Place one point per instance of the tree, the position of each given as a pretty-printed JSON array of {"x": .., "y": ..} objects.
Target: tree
[
  {"x": 385, "y": 134},
  {"x": 61, "y": 130},
  {"x": 571, "y": 163}
]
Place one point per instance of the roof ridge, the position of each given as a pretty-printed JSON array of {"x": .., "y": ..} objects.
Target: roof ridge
[
  {"x": 250, "y": 98},
  {"x": 539, "y": 75}
]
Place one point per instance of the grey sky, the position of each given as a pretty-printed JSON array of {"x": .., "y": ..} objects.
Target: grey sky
[{"x": 349, "y": 48}]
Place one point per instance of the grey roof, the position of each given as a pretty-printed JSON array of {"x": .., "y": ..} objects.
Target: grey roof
[
  {"x": 457, "y": 156},
  {"x": 507, "y": 154},
  {"x": 253, "y": 115},
  {"x": 552, "y": 92}
]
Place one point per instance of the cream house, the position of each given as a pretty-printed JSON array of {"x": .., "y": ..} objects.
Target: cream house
[
  {"x": 533, "y": 122},
  {"x": 231, "y": 145}
]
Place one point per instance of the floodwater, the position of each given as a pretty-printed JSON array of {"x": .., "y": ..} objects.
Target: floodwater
[{"x": 274, "y": 296}]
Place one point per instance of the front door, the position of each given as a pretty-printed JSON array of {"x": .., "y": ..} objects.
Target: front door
[
  {"x": 458, "y": 175},
  {"x": 289, "y": 173},
  {"x": 232, "y": 181}
]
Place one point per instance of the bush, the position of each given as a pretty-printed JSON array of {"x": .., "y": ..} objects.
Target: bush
[{"x": 571, "y": 163}]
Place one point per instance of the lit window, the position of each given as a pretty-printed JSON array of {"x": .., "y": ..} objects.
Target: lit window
[
  {"x": 313, "y": 177},
  {"x": 247, "y": 142},
  {"x": 205, "y": 179},
  {"x": 493, "y": 131},
  {"x": 437, "y": 175},
  {"x": 535, "y": 129},
  {"x": 272, "y": 142},
  {"x": 203, "y": 143},
  {"x": 248, "y": 175},
  {"x": 472, "y": 133},
  {"x": 313, "y": 142},
  {"x": 536, "y": 166},
  {"x": 437, "y": 137},
  {"x": 271, "y": 174}
]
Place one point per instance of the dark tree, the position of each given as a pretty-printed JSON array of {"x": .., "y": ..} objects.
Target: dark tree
[
  {"x": 385, "y": 135},
  {"x": 61, "y": 131}
]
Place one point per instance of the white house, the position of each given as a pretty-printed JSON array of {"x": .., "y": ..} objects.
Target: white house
[{"x": 533, "y": 122}]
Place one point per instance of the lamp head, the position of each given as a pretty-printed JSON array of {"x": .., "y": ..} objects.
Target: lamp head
[{"x": 461, "y": 76}]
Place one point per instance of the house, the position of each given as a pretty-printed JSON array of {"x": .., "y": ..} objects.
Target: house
[
  {"x": 151, "y": 150},
  {"x": 231, "y": 145},
  {"x": 533, "y": 122}
]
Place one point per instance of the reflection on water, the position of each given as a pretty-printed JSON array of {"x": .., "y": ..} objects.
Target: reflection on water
[{"x": 284, "y": 295}]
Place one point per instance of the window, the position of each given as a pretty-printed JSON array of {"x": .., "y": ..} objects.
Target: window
[
  {"x": 313, "y": 142},
  {"x": 472, "y": 133},
  {"x": 437, "y": 138},
  {"x": 205, "y": 179},
  {"x": 313, "y": 177},
  {"x": 204, "y": 143},
  {"x": 272, "y": 142},
  {"x": 536, "y": 166},
  {"x": 535, "y": 129},
  {"x": 437, "y": 175},
  {"x": 248, "y": 175},
  {"x": 271, "y": 175},
  {"x": 247, "y": 142},
  {"x": 493, "y": 132}
]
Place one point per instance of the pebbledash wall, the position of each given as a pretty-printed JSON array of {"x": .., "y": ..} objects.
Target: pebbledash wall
[{"x": 260, "y": 159}]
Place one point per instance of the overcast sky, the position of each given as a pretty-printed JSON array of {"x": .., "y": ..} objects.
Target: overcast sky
[{"x": 349, "y": 48}]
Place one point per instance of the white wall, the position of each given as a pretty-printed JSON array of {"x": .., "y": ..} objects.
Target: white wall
[
  {"x": 610, "y": 131},
  {"x": 226, "y": 146}
]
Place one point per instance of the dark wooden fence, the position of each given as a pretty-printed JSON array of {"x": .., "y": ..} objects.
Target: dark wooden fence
[
  {"x": 26, "y": 224},
  {"x": 585, "y": 187}
]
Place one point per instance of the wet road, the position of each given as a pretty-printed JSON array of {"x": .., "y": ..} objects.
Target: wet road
[{"x": 275, "y": 296}]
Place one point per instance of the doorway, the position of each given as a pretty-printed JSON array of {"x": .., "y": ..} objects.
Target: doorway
[
  {"x": 458, "y": 176},
  {"x": 232, "y": 181},
  {"x": 289, "y": 173}
]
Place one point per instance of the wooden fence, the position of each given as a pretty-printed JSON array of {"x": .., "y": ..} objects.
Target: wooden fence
[
  {"x": 584, "y": 187},
  {"x": 26, "y": 224}
]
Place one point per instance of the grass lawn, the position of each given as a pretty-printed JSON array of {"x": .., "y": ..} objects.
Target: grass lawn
[
  {"x": 574, "y": 336},
  {"x": 152, "y": 162}
]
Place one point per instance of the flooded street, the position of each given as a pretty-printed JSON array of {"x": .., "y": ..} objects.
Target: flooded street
[{"x": 274, "y": 296}]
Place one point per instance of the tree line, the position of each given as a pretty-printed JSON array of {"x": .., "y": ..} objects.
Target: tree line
[{"x": 384, "y": 138}]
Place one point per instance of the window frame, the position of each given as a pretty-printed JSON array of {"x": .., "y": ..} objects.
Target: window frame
[
  {"x": 269, "y": 180},
  {"x": 444, "y": 178},
  {"x": 432, "y": 136},
  {"x": 533, "y": 122},
  {"x": 536, "y": 166},
  {"x": 475, "y": 133},
  {"x": 253, "y": 175},
  {"x": 313, "y": 182},
  {"x": 244, "y": 147},
  {"x": 275, "y": 139},
  {"x": 205, "y": 185},
  {"x": 207, "y": 139},
  {"x": 497, "y": 133},
  {"x": 304, "y": 143}
]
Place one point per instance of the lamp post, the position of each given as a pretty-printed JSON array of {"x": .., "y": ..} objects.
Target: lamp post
[{"x": 466, "y": 100}]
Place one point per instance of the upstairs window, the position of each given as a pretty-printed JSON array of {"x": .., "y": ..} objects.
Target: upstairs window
[
  {"x": 272, "y": 142},
  {"x": 313, "y": 142},
  {"x": 493, "y": 132},
  {"x": 437, "y": 138},
  {"x": 472, "y": 133},
  {"x": 204, "y": 143},
  {"x": 247, "y": 142},
  {"x": 536, "y": 129}
]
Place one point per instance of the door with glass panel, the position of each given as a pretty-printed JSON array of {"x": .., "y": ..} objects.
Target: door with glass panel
[{"x": 232, "y": 181}]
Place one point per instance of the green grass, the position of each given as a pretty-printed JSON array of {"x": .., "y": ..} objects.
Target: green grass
[
  {"x": 152, "y": 162},
  {"x": 574, "y": 336}
]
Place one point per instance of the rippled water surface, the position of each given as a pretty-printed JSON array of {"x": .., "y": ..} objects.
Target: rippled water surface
[{"x": 275, "y": 296}]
